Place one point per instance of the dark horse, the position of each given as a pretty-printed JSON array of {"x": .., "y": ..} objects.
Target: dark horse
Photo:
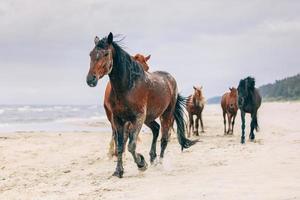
[
  {"x": 230, "y": 108},
  {"x": 194, "y": 106},
  {"x": 249, "y": 100},
  {"x": 112, "y": 145},
  {"x": 137, "y": 97}
]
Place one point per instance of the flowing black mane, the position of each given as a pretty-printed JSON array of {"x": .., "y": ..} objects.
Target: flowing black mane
[
  {"x": 247, "y": 86},
  {"x": 123, "y": 64},
  {"x": 250, "y": 83}
]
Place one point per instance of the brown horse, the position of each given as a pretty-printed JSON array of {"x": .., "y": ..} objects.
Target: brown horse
[
  {"x": 112, "y": 146},
  {"x": 142, "y": 60},
  {"x": 230, "y": 107},
  {"x": 136, "y": 98},
  {"x": 194, "y": 106}
]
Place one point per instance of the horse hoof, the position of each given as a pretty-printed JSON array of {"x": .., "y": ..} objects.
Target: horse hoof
[
  {"x": 118, "y": 174},
  {"x": 252, "y": 138},
  {"x": 144, "y": 168},
  {"x": 143, "y": 164},
  {"x": 152, "y": 157},
  {"x": 243, "y": 141}
]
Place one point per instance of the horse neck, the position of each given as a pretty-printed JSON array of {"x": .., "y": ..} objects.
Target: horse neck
[
  {"x": 196, "y": 101},
  {"x": 250, "y": 100},
  {"x": 125, "y": 71}
]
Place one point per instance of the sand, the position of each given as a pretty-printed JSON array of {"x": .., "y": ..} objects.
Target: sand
[{"x": 76, "y": 166}]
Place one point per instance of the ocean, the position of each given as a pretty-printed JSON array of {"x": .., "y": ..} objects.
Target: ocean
[{"x": 52, "y": 118}]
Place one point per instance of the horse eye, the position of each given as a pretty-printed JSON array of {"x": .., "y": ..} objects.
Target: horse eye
[{"x": 106, "y": 54}]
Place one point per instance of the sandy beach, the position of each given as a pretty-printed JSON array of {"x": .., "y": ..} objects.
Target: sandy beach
[{"x": 75, "y": 165}]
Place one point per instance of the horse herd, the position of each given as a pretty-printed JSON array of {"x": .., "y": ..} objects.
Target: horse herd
[{"x": 134, "y": 97}]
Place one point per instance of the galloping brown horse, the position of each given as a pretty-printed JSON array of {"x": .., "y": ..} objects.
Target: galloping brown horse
[
  {"x": 194, "y": 106},
  {"x": 112, "y": 146},
  {"x": 136, "y": 98},
  {"x": 230, "y": 107}
]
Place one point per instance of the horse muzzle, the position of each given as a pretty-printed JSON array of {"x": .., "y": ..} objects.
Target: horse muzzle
[{"x": 91, "y": 80}]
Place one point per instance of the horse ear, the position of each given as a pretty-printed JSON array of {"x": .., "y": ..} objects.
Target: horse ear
[
  {"x": 96, "y": 40},
  {"x": 201, "y": 87},
  {"x": 147, "y": 58},
  {"x": 110, "y": 38}
]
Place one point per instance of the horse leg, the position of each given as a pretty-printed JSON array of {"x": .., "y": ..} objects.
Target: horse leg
[
  {"x": 166, "y": 122},
  {"x": 164, "y": 139},
  {"x": 252, "y": 125},
  {"x": 224, "y": 120},
  {"x": 191, "y": 125},
  {"x": 154, "y": 126},
  {"x": 112, "y": 146},
  {"x": 127, "y": 127},
  {"x": 232, "y": 125},
  {"x": 229, "y": 122},
  {"x": 197, "y": 125},
  {"x": 243, "y": 127},
  {"x": 119, "y": 140},
  {"x": 201, "y": 122},
  {"x": 133, "y": 135}
]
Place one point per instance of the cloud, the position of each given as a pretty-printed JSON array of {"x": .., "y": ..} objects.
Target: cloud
[{"x": 44, "y": 45}]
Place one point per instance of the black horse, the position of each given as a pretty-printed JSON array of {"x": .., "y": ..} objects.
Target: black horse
[{"x": 249, "y": 100}]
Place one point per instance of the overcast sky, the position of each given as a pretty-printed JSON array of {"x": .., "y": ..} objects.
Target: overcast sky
[{"x": 44, "y": 44}]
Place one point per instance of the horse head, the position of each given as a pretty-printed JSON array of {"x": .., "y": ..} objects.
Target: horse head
[
  {"x": 245, "y": 90},
  {"x": 198, "y": 95},
  {"x": 142, "y": 60},
  {"x": 233, "y": 96},
  {"x": 101, "y": 60}
]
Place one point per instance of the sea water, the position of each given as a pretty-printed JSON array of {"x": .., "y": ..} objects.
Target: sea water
[{"x": 55, "y": 118}]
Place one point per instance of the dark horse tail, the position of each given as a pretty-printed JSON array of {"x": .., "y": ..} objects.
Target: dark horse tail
[{"x": 178, "y": 115}]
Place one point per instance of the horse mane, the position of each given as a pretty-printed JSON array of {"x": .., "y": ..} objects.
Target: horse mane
[
  {"x": 250, "y": 83},
  {"x": 127, "y": 63}
]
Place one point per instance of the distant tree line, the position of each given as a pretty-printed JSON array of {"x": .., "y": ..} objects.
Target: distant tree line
[{"x": 285, "y": 89}]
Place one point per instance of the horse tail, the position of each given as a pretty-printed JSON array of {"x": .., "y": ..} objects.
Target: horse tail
[{"x": 178, "y": 115}]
